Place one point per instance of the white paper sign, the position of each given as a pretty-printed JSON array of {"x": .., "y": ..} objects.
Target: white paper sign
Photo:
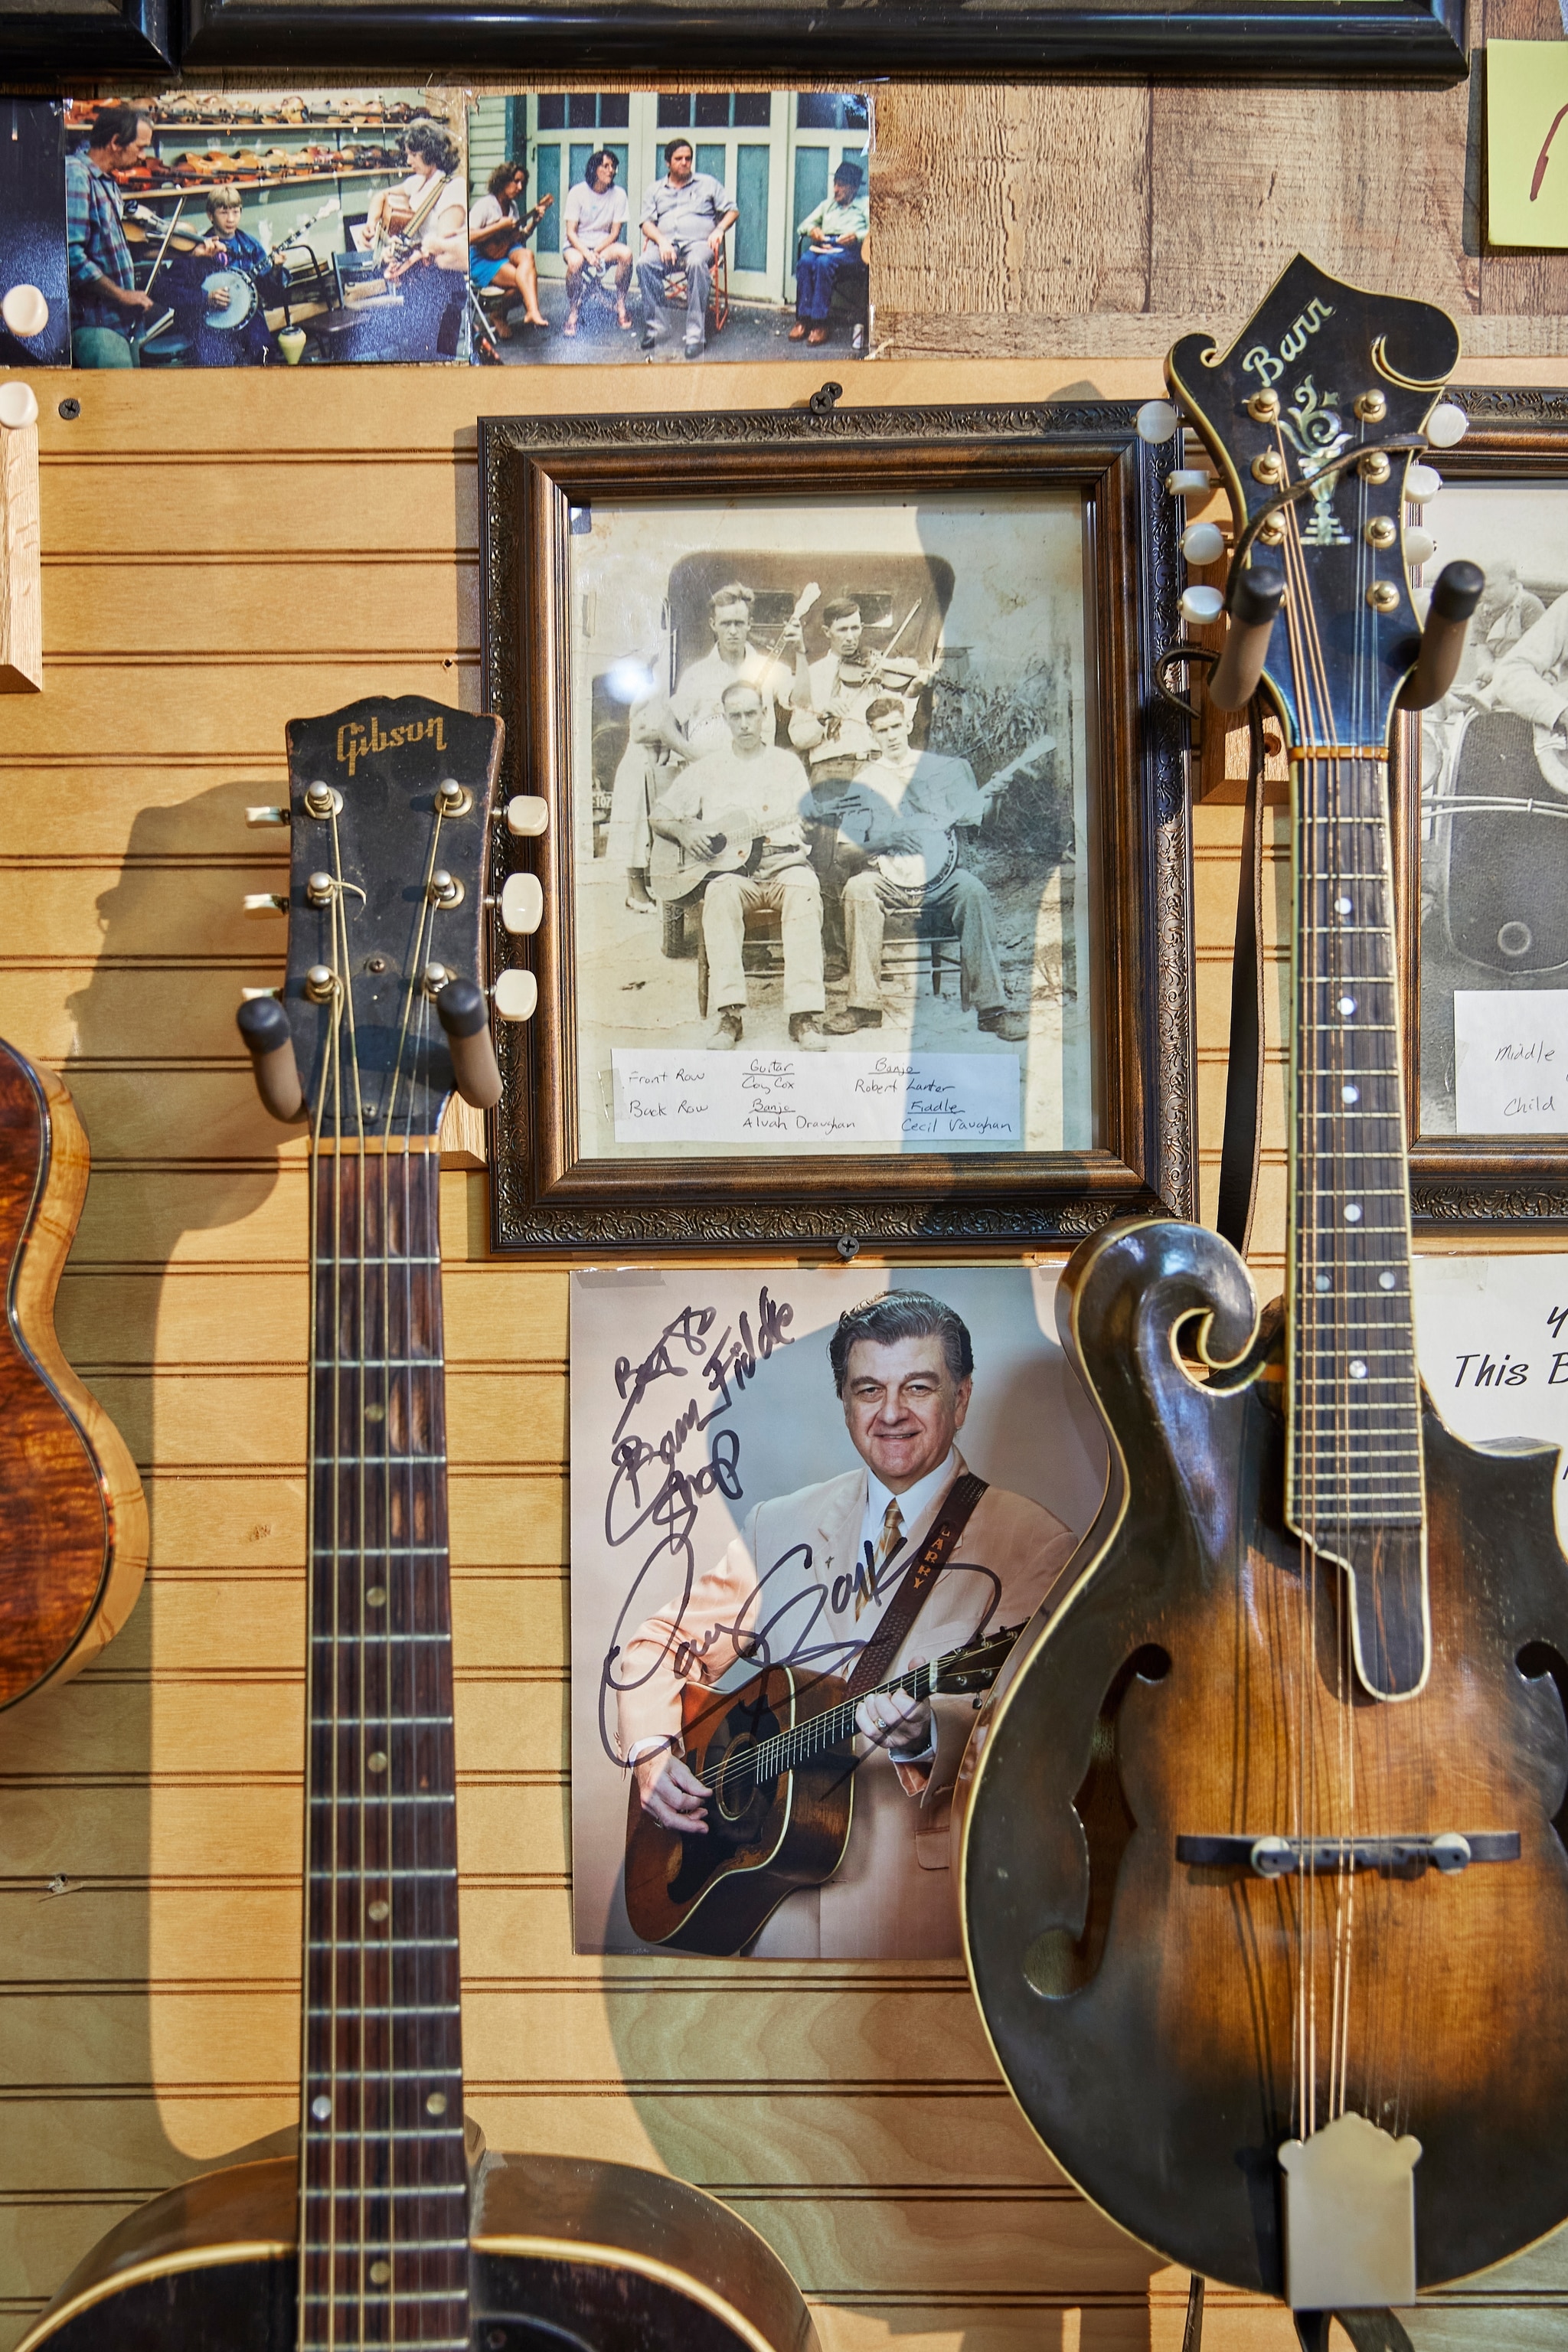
[
  {"x": 1510, "y": 1061},
  {"x": 1492, "y": 1336},
  {"x": 823, "y": 1102}
]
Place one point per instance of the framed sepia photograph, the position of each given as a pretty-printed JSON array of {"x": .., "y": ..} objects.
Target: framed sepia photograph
[
  {"x": 867, "y": 872},
  {"x": 1486, "y": 836}
]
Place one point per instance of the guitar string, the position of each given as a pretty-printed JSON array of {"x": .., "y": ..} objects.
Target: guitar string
[{"x": 781, "y": 1751}]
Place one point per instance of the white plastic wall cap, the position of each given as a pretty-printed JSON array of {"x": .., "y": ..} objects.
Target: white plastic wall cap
[
  {"x": 522, "y": 904},
  {"x": 527, "y": 813},
  {"x": 1421, "y": 483},
  {"x": 1202, "y": 606},
  {"x": 1156, "y": 421},
  {"x": 1420, "y": 547},
  {"x": 1446, "y": 425},
  {"x": 18, "y": 405},
  {"x": 25, "y": 312},
  {"x": 1202, "y": 542},
  {"x": 516, "y": 996}
]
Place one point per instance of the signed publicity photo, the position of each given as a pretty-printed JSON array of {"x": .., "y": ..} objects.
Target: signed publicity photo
[
  {"x": 830, "y": 797},
  {"x": 1494, "y": 844},
  {"x": 809, "y": 1520}
]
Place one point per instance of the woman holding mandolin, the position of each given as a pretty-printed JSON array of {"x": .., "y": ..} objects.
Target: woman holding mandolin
[{"x": 497, "y": 243}]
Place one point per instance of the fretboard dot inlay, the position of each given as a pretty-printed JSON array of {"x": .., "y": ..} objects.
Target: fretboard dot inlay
[
  {"x": 1343, "y": 907},
  {"x": 378, "y": 1911},
  {"x": 1323, "y": 1282},
  {"x": 436, "y": 2104},
  {"x": 376, "y": 1595},
  {"x": 1353, "y": 1213},
  {"x": 321, "y": 2106},
  {"x": 1350, "y": 1094},
  {"x": 1386, "y": 1281},
  {"x": 1347, "y": 1006},
  {"x": 375, "y": 1762},
  {"x": 1358, "y": 1370},
  {"x": 380, "y": 2272}
]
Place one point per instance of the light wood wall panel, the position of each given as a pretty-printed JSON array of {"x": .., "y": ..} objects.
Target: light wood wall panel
[{"x": 314, "y": 543}]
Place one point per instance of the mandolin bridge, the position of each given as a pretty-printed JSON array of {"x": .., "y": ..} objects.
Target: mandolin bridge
[{"x": 1450, "y": 1850}]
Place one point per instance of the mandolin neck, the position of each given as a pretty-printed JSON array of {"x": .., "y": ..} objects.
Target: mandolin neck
[
  {"x": 1355, "y": 1478},
  {"x": 383, "y": 2195}
]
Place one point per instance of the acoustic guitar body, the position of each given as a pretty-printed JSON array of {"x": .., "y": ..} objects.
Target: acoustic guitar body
[
  {"x": 1151, "y": 2011},
  {"x": 73, "y": 1520},
  {"x": 564, "y": 2256},
  {"x": 765, "y": 1837}
]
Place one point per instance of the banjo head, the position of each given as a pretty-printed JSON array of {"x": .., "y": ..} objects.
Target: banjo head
[{"x": 242, "y": 299}]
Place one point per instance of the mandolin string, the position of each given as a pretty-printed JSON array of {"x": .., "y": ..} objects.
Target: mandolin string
[{"x": 335, "y": 2137}]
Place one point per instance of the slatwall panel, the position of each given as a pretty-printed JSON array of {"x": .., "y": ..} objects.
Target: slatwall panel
[{"x": 218, "y": 560}]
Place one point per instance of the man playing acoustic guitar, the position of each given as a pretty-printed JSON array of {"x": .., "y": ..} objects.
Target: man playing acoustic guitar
[{"x": 830, "y": 1559}]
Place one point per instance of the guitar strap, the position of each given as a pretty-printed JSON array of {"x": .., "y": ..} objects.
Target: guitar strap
[
  {"x": 875, "y": 1660},
  {"x": 1248, "y": 981}
]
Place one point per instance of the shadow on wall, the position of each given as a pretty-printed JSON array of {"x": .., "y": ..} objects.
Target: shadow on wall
[{"x": 174, "y": 1887}]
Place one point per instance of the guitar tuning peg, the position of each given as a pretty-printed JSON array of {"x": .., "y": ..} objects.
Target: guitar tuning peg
[
  {"x": 1202, "y": 542},
  {"x": 516, "y": 996},
  {"x": 1202, "y": 606},
  {"x": 461, "y": 1009},
  {"x": 1446, "y": 425},
  {"x": 1156, "y": 421},
  {"x": 1420, "y": 547},
  {"x": 258, "y": 817},
  {"x": 522, "y": 904},
  {"x": 264, "y": 903},
  {"x": 1189, "y": 482},
  {"x": 1421, "y": 483},
  {"x": 526, "y": 813},
  {"x": 264, "y": 1026}
]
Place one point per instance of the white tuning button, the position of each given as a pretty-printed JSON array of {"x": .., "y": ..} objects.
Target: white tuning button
[
  {"x": 1202, "y": 542},
  {"x": 522, "y": 904},
  {"x": 1420, "y": 547},
  {"x": 264, "y": 903},
  {"x": 1202, "y": 606},
  {"x": 527, "y": 813},
  {"x": 18, "y": 405},
  {"x": 258, "y": 817},
  {"x": 1189, "y": 482},
  {"x": 516, "y": 996},
  {"x": 1446, "y": 425},
  {"x": 25, "y": 312},
  {"x": 1156, "y": 421},
  {"x": 1421, "y": 483}
]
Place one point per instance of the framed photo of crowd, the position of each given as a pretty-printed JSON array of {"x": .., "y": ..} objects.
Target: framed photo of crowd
[
  {"x": 865, "y": 875},
  {"x": 1485, "y": 792}
]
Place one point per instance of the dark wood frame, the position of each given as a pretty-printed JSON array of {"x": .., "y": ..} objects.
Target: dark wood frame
[
  {"x": 75, "y": 43},
  {"x": 532, "y": 470},
  {"x": 1463, "y": 1181},
  {"x": 1213, "y": 41}
]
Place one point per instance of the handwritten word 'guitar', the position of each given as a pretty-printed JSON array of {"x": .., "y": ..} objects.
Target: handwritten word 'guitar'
[
  {"x": 73, "y": 1520},
  {"x": 377, "y": 2236},
  {"x": 778, "y": 1755},
  {"x": 1264, "y": 1875}
]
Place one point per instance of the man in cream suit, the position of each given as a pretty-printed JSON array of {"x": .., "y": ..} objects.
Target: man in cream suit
[{"x": 809, "y": 1579}]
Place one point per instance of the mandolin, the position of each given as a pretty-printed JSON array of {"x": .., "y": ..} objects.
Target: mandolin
[
  {"x": 778, "y": 1755},
  {"x": 73, "y": 1518},
  {"x": 1262, "y": 1866},
  {"x": 378, "y": 2235}
]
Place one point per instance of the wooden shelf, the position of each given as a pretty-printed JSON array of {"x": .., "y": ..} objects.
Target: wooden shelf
[{"x": 294, "y": 180}]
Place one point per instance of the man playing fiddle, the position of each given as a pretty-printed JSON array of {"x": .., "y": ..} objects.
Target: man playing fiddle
[{"x": 106, "y": 308}]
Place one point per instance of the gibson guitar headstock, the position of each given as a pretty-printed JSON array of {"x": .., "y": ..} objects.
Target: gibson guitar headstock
[
  {"x": 1319, "y": 418},
  {"x": 382, "y": 1013}
]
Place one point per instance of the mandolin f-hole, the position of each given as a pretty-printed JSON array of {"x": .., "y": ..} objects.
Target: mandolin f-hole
[
  {"x": 1539, "y": 1662},
  {"x": 1057, "y": 1964}
]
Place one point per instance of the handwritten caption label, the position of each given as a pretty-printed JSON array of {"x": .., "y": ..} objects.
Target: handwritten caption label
[
  {"x": 1510, "y": 1061},
  {"x": 946, "y": 1102}
]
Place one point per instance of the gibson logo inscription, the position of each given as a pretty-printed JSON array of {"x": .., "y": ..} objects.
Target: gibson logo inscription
[{"x": 354, "y": 739}]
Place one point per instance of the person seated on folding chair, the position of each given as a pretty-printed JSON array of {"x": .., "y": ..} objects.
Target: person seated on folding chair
[
  {"x": 834, "y": 232},
  {"x": 757, "y": 787},
  {"x": 685, "y": 219},
  {"x": 498, "y": 247},
  {"x": 903, "y": 807},
  {"x": 595, "y": 225}
]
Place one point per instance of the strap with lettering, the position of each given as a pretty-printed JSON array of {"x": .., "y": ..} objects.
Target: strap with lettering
[{"x": 875, "y": 1662}]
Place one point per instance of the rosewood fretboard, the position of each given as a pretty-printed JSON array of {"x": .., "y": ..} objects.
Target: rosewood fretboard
[{"x": 383, "y": 2196}]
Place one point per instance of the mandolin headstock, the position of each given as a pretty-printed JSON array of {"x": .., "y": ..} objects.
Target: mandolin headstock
[
  {"x": 1314, "y": 416},
  {"x": 382, "y": 1013}
]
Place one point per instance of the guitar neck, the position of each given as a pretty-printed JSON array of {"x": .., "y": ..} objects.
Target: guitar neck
[
  {"x": 1355, "y": 1403},
  {"x": 383, "y": 2196},
  {"x": 785, "y": 1750}
]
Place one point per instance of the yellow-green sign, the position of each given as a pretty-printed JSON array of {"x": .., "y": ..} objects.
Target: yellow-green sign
[{"x": 1526, "y": 142}]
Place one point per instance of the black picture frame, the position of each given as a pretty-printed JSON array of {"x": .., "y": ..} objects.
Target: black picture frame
[
  {"x": 1405, "y": 41},
  {"x": 1462, "y": 1183},
  {"x": 79, "y": 39},
  {"x": 534, "y": 474}
]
